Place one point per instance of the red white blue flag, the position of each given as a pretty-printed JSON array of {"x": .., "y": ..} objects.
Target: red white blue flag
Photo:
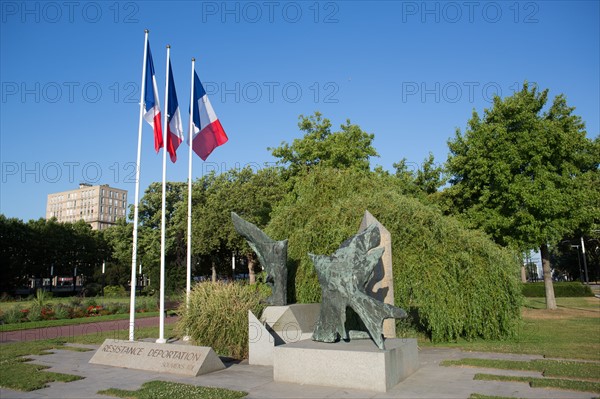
[
  {"x": 151, "y": 104},
  {"x": 174, "y": 125},
  {"x": 208, "y": 133}
]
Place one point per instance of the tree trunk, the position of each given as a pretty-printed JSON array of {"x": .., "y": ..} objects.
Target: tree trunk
[
  {"x": 251, "y": 265},
  {"x": 214, "y": 272},
  {"x": 550, "y": 300},
  {"x": 523, "y": 274}
]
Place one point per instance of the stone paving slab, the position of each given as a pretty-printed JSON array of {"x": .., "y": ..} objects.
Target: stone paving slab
[{"x": 431, "y": 381}]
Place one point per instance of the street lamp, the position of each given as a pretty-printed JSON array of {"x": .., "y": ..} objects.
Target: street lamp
[
  {"x": 578, "y": 262},
  {"x": 587, "y": 280}
]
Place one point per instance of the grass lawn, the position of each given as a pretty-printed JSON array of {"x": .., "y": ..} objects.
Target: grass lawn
[
  {"x": 550, "y": 368},
  {"x": 534, "y": 382},
  {"x": 69, "y": 322},
  {"x": 570, "y": 332},
  {"x": 173, "y": 390},
  {"x": 26, "y": 303},
  {"x": 16, "y": 373}
]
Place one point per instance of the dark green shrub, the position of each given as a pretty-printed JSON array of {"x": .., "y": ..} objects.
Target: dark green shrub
[
  {"x": 456, "y": 281},
  {"x": 92, "y": 289},
  {"x": 14, "y": 314},
  {"x": 35, "y": 313},
  {"x": 218, "y": 316},
  {"x": 61, "y": 311},
  {"x": 146, "y": 304},
  {"x": 89, "y": 302},
  {"x": 114, "y": 291},
  {"x": 561, "y": 290}
]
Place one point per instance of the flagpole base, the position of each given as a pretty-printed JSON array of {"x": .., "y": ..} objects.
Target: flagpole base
[{"x": 161, "y": 341}]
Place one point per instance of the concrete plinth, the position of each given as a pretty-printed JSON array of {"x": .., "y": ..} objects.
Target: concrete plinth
[
  {"x": 357, "y": 364},
  {"x": 279, "y": 325}
]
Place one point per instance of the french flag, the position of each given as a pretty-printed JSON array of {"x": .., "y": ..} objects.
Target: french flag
[
  {"x": 174, "y": 125},
  {"x": 151, "y": 104},
  {"x": 208, "y": 133}
]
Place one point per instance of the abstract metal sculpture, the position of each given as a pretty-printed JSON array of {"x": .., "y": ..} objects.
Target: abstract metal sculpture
[
  {"x": 343, "y": 277},
  {"x": 272, "y": 256}
]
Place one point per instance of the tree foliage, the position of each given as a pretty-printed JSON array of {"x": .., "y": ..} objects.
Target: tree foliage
[
  {"x": 456, "y": 281},
  {"x": 426, "y": 179},
  {"x": 525, "y": 175},
  {"x": 351, "y": 147},
  {"x": 39, "y": 247}
]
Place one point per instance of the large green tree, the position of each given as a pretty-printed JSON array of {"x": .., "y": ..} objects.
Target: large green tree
[
  {"x": 350, "y": 147},
  {"x": 522, "y": 173},
  {"x": 149, "y": 230},
  {"x": 250, "y": 194}
]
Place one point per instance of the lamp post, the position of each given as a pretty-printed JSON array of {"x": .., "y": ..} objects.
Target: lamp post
[
  {"x": 233, "y": 264},
  {"x": 587, "y": 280},
  {"x": 103, "y": 270},
  {"x": 578, "y": 262}
]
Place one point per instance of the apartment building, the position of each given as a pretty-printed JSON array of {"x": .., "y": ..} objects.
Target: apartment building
[{"x": 100, "y": 206}]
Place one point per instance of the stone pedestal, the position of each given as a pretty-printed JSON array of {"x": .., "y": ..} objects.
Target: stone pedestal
[
  {"x": 357, "y": 364},
  {"x": 279, "y": 325}
]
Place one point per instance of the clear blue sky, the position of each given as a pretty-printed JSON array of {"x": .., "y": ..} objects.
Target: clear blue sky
[{"x": 410, "y": 72}]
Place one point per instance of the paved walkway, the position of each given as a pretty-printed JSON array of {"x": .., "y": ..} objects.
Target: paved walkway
[
  {"x": 431, "y": 381},
  {"x": 79, "y": 329}
]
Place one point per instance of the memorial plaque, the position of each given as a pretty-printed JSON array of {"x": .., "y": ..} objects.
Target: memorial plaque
[{"x": 168, "y": 358}]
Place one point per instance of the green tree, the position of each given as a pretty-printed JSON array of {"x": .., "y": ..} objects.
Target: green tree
[
  {"x": 350, "y": 147},
  {"x": 15, "y": 252},
  {"x": 455, "y": 281},
  {"x": 250, "y": 194},
  {"x": 118, "y": 264},
  {"x": 427, "y": 179},
  {"x": 149, "y": 234},
  {"x": 522, "y": 174}
]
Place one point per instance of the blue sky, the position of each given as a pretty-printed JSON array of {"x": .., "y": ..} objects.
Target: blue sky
[{"x": 410, "y": 72}]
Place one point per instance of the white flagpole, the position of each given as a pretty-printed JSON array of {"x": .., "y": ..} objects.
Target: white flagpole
[
  {"x": 161, "y": 338},
  {"x": 189, "y": 225},
  {"x": 137, "y": 196}
]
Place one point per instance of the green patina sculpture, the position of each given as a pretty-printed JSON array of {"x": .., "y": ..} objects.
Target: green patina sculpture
[
  {"x": 272, "y": 256},
  {"x": 343, "y": 277}
]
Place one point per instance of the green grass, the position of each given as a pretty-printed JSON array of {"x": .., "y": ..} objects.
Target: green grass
[
  {"x": 592, "y": 304},
  {"x": 535, "y": 382},
  {"x": 18, "y": 374},
  {"x": 140, "y": 333},
  {"x": 549, "y": 368},
  {"x": 69, "y": 322},
  {"x": 571, "y": 332},
  {"x": 173, "y": 390},
  {"x": 4, "y": 305}
]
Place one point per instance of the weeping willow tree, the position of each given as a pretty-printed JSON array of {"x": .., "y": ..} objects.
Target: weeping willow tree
[{"x": 456, "y": 281}]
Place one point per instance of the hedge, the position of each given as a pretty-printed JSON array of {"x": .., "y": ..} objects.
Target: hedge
[{"x": 561, "y": 290}]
